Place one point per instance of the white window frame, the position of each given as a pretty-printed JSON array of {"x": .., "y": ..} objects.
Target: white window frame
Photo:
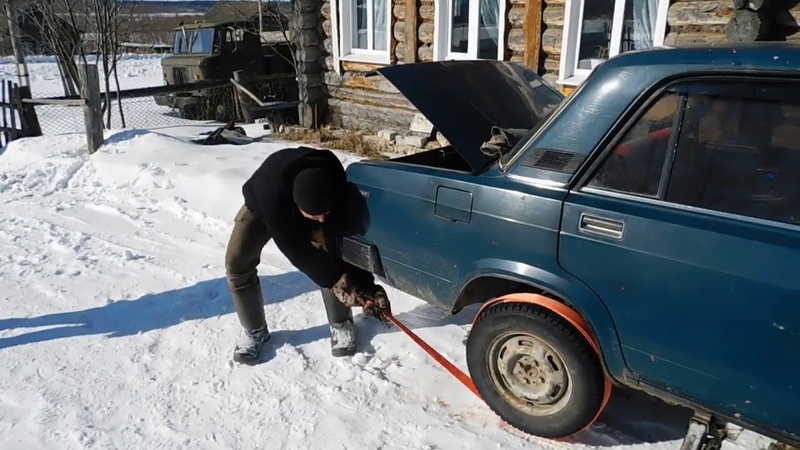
[
  {"x": 441, "y": 44},
  {"x": 347, "y": 12},
  {"x": 569, "y": 74}
]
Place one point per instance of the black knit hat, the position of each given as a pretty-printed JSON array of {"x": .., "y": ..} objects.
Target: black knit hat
[{"x": 314, "y": 191}]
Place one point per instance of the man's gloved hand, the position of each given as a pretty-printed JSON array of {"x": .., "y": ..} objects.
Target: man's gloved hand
[
  {"x": 371, "y": 298},
  {"x": 377, "y": 303},
  {"x": 347, "y": 292}
]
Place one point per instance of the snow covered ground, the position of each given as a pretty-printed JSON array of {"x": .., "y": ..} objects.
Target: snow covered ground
[{"x": 116, "y": 328}]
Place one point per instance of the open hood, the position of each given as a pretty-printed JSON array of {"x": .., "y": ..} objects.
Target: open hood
[{"x": 465, "y": 99}]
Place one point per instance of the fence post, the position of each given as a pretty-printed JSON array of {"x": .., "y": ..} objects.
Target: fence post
[
  {"x": 27, "y": 111},
  {"x": 92, "y": 113},
  {"x": 244, "y": 101}
]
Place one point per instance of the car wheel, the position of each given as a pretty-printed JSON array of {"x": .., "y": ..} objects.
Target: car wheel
[{"x": 535, "y": 370}]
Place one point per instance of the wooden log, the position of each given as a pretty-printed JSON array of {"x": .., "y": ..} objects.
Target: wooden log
[
  {"x": 371, "y": 118},
  {"x": 399, "y": 12},
  {"x": 552, "y": 63},
  {"x": 400, "y": 50},
  {"x": 554, "y": 2},
  {"x": 92, "y": 112},
  {"x": 553, "y": 15},
  {"x": 551, "y": 40},
  {"x": 532, "y": 31},
  {"x": 516, "y": 39},
  {"x": 679, "y": 38},
  {"x": 746, "y": 26},
  {"x": 699, "y": 13},
  {"x": 516, "y": 16},
  {"x": 399, "y": 31},
  {"x": 517, "y": 2},
  {"x": 426, "y": 32},
  {"x": 352, "y": 66},
  {"x": 425, "y": 53},
  {"x": 326, "y": 28},
  {"x": 359, "y": 81},
  {"x": 325, "y": 10},
  {"x": 369, "y": 97},
  {"x": 426, "y": 12},
  {"x": 411, "y": 24}
]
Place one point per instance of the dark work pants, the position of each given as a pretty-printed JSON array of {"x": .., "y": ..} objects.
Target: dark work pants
[{"x": 242, "y": 257}]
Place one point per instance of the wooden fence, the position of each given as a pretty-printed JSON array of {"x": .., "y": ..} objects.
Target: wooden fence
[{"x": 18, "y": 119}]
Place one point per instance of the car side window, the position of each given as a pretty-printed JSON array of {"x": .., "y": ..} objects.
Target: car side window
[
  {"x": 739, "y": 155},
  {"x": 636, "y": 162}
]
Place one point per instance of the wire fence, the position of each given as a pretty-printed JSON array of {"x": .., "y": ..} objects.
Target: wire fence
[{"x": 169, "y": 106}]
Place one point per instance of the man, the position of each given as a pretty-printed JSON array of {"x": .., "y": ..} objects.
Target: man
[{"x": 300, "y": 198}]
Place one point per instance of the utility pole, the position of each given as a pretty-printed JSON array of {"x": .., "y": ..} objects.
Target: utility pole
[{"x": 13, "y": 31}]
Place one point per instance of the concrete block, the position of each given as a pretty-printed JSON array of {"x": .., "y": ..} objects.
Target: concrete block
[
  {"x": 421, "y": 125},
  {"x": 414, "y": 141},
  {"x": 442, "y": 140},
  {"x": 387, "y": 135}
]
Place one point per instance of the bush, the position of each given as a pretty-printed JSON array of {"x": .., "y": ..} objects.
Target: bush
[{"x": 347, "y": 140}]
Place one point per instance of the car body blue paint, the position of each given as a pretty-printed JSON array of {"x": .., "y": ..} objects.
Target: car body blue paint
[{"x": 703, "y": 305}]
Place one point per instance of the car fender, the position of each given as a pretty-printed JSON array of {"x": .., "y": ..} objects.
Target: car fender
[
  {"x": 568, "y": 314},
  {"x": 578, "y": 297}
]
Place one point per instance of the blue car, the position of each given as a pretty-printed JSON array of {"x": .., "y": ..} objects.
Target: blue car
[{"x": 644, "y": 231}]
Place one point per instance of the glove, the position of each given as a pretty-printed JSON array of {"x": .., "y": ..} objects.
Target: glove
[
  {"x": 377, "y": 303},
  {"x": 348, "y": 292}
]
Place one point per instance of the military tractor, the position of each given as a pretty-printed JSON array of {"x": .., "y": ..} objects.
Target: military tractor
[{"x": 213, "y": 51}]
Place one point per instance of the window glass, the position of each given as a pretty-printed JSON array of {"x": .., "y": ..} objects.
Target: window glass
[
  {"x": 459, "y": 26},
  {"x": 739, "y": 156},
  {"x": 639, "y": 24},
  {"x": 487, "y": 29},
  {"x": 379, "y": 24},
  {"x": 636, "y": 163},
  {"x": 596, "y": 23},
  {"x": 361, "y": 25}
]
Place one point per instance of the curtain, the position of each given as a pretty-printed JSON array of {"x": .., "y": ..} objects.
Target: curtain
[
  {"x": 379, "y": 26},
  {"x": 488, "y": 39},
  {"x": 645, "y": 13}
]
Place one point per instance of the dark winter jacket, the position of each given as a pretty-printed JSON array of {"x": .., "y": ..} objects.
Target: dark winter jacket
[{"x": 268, "y": 194}]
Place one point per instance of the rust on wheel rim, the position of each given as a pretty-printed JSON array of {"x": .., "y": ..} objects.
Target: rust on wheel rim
[{"x": 529, "y": 373}]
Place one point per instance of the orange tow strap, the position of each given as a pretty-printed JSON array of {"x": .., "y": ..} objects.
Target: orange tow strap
[{"x": 455, "y": 371}]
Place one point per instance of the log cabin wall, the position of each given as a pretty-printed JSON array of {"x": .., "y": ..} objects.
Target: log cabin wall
[
  {"x": 552, "y": 32},
  {"x": 356, "y": 101}
]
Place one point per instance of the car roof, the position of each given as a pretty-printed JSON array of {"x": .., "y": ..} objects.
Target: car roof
[{"x": 761, "y": 55}]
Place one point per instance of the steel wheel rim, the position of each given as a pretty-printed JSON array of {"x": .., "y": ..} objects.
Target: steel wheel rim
[{"x": 529, "y": 373}]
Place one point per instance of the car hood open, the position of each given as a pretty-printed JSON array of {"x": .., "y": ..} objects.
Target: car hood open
[{"x": 465, "y": 99}]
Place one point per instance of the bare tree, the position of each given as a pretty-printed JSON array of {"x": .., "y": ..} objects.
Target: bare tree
[
  {"x": 110, "y": 24},
  {"x": 54, "y": 25}
]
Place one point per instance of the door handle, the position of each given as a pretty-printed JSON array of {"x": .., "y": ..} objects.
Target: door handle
[{"x": 601, "y": 226}]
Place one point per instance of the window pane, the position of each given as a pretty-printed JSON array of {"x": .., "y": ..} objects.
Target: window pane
[
  {"x": 636, "y": 163},
  {"x": 361, "y": 25},
  {"x": 740, "y": 156},
  {"x": 598, "y": 16},
  {"x": 459, "y": 26},
  {"x": 639, "y": 25},
  {"x": 379, "y": 24},
  {"x": 489, "y": 10}
]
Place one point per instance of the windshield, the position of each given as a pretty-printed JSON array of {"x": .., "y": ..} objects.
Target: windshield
[
  {"x": 551, "y": 107},
  {"x": 197, "y": 41}
]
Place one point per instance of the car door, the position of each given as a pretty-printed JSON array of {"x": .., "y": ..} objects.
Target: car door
[{"x": 690, "y": 233}]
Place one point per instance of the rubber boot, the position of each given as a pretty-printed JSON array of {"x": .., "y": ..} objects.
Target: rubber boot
[
  {"x": 249, "y": 304},
  {"x": 340, "y": 319}
]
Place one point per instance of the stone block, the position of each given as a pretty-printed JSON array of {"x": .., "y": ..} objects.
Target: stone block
[
  {"x": 414, "y": 141},
  {"x": 387, "y": 135}
]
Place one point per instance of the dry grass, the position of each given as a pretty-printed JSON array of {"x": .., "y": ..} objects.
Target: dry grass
[{"x": 347, "y": 140}]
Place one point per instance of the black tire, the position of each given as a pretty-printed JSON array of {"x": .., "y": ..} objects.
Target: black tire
[{"x": 577, "y": 387}]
